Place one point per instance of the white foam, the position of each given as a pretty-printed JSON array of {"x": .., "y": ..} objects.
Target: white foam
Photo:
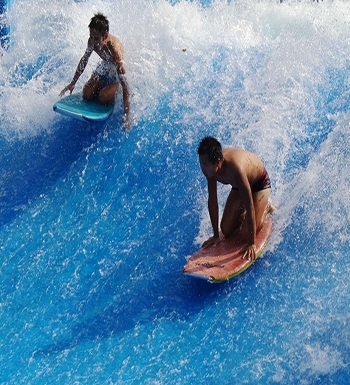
[
  {"x": 249, "y": 72},
  {"x": 321, "y": 360}
]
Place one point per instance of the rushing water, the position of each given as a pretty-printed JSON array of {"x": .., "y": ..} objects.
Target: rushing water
[{"x": 97, "y": 222}]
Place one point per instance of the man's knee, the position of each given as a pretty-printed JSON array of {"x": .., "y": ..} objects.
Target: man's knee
[
  {"x": 230, "y": 225},
  {"x": 105, "y": 98},
  {"x": 88, "y": 93},
  {"x": 228, "y": 228},
  {"x": 108, "y": 93},
  {"x": 225, "y": 229}
]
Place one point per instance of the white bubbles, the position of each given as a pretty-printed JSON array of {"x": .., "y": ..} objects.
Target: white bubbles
[
  {"x": 272, "y": 78},
  {"x": 268, "y": 77}
]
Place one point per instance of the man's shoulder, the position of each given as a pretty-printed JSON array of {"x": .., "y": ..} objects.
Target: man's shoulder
[
  {"x": 114, "y": 40},
  {"x": 116, "y": 45},
  {"x": 232, "y": 154}
]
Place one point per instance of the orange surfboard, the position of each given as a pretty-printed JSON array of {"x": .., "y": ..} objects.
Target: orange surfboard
[{"x": 220, "y": 262}]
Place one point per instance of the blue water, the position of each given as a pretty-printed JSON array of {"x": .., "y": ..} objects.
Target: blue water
[{"x": 97, "y": 222}]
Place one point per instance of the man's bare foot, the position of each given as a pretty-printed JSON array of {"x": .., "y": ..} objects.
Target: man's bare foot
[{"x": 270, "y": 208}]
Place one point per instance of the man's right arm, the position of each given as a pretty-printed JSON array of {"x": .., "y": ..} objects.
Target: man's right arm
[
  {"x": 213, "y": 206},
  {"x": 80, "y": 69},
  {"x": 213, "y": 209}
]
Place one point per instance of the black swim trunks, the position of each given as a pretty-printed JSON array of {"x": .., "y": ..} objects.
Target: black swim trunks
[
  {"x": 262, "y": 184},
  {"x": 108, "y": 73}
]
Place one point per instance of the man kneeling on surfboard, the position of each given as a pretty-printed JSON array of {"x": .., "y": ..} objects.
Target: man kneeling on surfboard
[
  {"x": 248, "y": 202},
  {"x": 104, "y": 81}
]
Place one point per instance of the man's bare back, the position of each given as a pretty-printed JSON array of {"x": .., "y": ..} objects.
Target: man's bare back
[{"x": 237, "y": 162}]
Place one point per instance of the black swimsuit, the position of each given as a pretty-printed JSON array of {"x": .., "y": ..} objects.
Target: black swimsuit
[{"x": 262, "y": 184}]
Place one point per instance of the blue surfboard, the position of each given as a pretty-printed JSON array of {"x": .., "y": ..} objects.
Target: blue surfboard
[{"x": 76, "y": 107}]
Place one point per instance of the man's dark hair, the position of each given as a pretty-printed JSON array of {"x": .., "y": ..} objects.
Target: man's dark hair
[
  {"x": 211, "y": 147},
  {"x": 99, "y": 23}
]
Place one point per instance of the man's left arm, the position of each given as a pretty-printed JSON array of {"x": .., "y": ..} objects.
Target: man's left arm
[
  {"x": 126, "y": 96},
  {"x": 248, "y": 203}
]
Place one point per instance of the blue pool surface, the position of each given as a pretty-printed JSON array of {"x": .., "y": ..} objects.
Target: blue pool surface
[{"x": 96, "y": 221}]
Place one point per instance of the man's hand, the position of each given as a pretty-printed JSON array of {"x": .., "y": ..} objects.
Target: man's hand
[
  {"x": 69, "y": 88},
  {"x": 250, "y": 253},
  {"x": 211, "y": 241},
  {"x": 127, "y": 121}
]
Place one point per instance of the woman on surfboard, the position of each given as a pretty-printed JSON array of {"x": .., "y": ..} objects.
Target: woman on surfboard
[
  {"x": 104, "y": 81},
  {"x": 248, "y": 202}
]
